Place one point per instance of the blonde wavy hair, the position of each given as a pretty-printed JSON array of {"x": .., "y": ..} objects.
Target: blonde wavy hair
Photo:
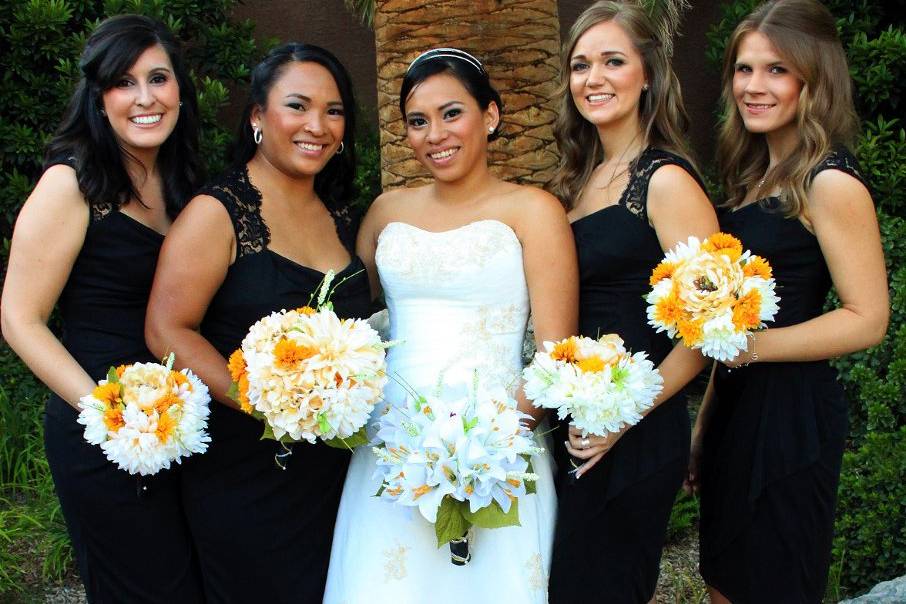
[
  {"x": 661, "y": 113},
  {"x": 804, "y": 33}
]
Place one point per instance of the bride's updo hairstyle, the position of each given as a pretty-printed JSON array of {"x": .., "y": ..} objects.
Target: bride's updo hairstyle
[{"x": 462, "y": 66}]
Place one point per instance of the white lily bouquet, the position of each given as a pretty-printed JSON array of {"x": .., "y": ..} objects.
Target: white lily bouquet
[
  {"x": 146, "y": 415},
  {"x": 309, "y": 374},
  {"x": 597, "y": 382},
  {"x": 463, "y": 462},
  {"x": 712, "y": 295}
]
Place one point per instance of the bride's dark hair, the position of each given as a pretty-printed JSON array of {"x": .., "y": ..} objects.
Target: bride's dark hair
[
  {"x": 85, "y": 139},
  {"x": 462, "y": 66}
]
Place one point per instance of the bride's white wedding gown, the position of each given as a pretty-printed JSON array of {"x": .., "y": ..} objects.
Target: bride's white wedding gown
[{"x": 458, "y": 301}]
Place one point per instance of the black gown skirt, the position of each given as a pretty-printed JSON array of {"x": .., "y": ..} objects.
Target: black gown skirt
[
  {"x": 129, "y": 534},
  {"x": 612, "y": 522},
  {"x": 263, "y": 533},
  {"x": 774, "y": 443}
]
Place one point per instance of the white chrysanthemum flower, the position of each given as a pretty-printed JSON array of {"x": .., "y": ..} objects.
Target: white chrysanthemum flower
[
  {"x": 699, "y": 295},
  {"x": 146, "y": 416},
  {"x": 596, "y": 382},
  {"x": 313, "y": 375}
]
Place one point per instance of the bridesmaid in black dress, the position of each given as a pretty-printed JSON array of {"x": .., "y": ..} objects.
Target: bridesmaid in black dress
[
  {"x": 257, "y": 240},
  {"x": 631, "y": 193},
  {"x": 119, "y": 169},
  {"x": 773, "y": 432}
]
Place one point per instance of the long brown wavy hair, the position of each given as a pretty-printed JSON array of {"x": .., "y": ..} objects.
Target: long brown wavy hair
[
  {"x": 661, "y": 113},
  {"x": 803, "y": 32}
]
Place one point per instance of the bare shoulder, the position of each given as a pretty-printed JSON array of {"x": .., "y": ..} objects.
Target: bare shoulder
[
  {"x": 56, "y": 205},
  {"x": 58, "y": 190},
  {"x": 526, "y": 198},
  {"x": 393, "y": 205},
  {"x": 203, "y": 214},
  {"x": 528, "y": 209},
  {"x": 834, "y": 191},
  {"x": 669, "y": 176}
]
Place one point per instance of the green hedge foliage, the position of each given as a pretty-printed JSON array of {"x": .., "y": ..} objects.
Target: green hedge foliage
[{"x": 870, "y": 542}]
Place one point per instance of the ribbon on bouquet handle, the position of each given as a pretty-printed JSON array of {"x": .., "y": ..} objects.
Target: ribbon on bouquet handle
[{"x": 459, "y": 550}]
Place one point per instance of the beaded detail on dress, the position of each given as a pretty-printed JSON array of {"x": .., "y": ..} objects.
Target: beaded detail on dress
[
  {"x": 635, "y": 195},
  {"x": 242, "y": 200}
]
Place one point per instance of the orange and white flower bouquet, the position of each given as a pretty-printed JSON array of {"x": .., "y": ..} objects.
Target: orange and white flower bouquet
[
  {"x": 598, "y": 383},
  {"x": 309, "y": 374},
  {"x": 712, "y": 294},
  {"x": 146, "y": 415}
]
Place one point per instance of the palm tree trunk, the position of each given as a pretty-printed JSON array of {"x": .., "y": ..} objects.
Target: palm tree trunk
[{"x": 518, "y": 40}]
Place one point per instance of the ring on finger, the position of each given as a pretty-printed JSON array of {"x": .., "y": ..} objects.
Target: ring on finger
[{"x": 584, "y": 443}]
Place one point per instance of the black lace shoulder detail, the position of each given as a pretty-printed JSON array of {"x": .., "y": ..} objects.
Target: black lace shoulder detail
[
  {"x": 346, "y": 219},
  {"x": 243, "y": 202},
  {"x": 97, "y": 210},
  {"x": 635, "y": 195},
  {"x": 840, "y": 159}
]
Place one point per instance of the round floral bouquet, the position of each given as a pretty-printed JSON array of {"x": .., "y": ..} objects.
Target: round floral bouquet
[
  {"x": 462, "y": 462},
  {"x": 597, "y": 382},
  {"x": 309, "y": 374},
  {"x": 146, "y": 415},
  {"x": 712, "y": 295}
]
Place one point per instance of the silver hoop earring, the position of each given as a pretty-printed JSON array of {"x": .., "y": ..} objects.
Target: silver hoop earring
[
  {"x": 256, "y": 135},
  {"x": 102, "y": 112},
  {"x": 340, "y": 148}
]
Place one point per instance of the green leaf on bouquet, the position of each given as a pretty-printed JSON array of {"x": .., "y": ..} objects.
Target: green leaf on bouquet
[
  {"x": 112, "y": 377},
  {"x": 350, "y": 442},
  {"x": 233, "y": 392},
  {"x": 493, "y": 516},
  {"x": 468, "y": 425},
  {"x": 323, "y": 424},
  {"x": 268, "y": 434},
  {"x": 450, "y": 523},
  {"x": 381, "y": 489},
  {"x": 530, "y": 488}
]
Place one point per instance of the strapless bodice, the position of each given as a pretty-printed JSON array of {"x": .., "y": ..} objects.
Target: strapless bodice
[{"x": 458, "y": 304}]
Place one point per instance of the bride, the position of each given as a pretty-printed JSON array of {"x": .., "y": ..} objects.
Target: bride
[{"x": 461, "y": 262}]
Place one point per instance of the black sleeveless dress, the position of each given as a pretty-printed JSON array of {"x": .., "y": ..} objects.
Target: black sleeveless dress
[
  {"x": 129, "y": 534},
  {"x": 774, "y": 443},
  {"x": 263, "y": 534},
  {"x": 612, "y": 523}
]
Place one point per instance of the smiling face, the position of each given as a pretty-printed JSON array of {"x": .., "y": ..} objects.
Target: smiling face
[
  {"x": 606, "y": 76},
  {"x": 447, "y": 128},
  {"x": 303, "y": 123},
  {"x": 765, "y": 87},
  {"x": 143, "y": 106}
]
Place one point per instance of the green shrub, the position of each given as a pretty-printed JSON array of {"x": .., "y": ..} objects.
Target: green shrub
[{"x": 870, "y": 545}]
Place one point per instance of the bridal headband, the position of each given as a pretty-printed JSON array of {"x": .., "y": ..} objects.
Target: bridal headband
[{"x": 451, "y": 53}]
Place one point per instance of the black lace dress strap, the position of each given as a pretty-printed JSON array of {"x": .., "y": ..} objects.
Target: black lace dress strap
[
  {"x": 841, "y": 159},
  {"x": 635, "y": 195},
  {"x": 242, "y": 200}
]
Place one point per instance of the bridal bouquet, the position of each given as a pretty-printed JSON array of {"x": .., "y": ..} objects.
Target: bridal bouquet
[
  {"x": 146, "y": 415},
  {"x": 597, "y": 382},
  {"x": 309, "y": 374},
  {"x": 712, "y": 295},
  {"x": 462, "y": 462}
]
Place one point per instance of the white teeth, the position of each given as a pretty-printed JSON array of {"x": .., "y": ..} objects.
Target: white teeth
[
  {"x": 310, "y": 146},
  {"x": 599, "y": 97},
  {"x": 442, "y": 154},
  {"x": 146, "y": 119}
]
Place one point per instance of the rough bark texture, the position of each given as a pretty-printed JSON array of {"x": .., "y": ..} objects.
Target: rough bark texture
[{"x": 517, "y": 40}]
